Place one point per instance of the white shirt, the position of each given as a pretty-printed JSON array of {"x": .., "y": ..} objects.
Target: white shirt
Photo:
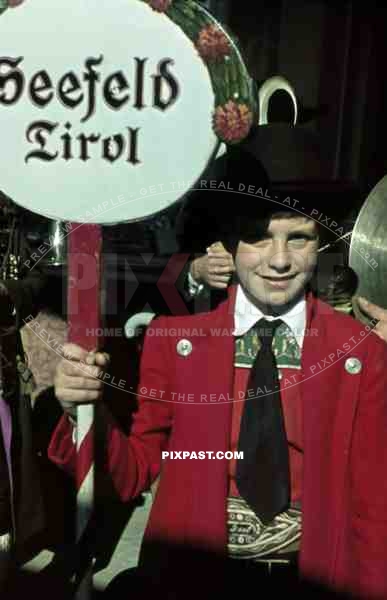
[{"x": 246, "y": 315}]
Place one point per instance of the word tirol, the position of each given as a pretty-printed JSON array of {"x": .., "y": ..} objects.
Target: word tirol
[{"x": 73, "y": 90}]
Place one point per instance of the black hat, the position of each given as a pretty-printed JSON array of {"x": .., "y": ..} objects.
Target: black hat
[
  {"x": 209, "y": 211},
  {"x": 328, "y": 202},
  {"x": 238, "y": 204}
]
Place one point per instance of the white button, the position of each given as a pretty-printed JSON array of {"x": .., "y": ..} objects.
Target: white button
[
  {"x": 353, "y": 366},
  {"x": 184, "y": 347}
]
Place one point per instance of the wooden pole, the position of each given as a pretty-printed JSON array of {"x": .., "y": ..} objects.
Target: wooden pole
[{"x": 84, "y": 318}]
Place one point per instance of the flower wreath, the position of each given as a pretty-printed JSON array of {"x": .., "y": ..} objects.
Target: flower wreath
[{"x": 235, "y": 104}]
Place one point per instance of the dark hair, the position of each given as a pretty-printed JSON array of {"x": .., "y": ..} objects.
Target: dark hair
[{"x": 252, "y": 220}]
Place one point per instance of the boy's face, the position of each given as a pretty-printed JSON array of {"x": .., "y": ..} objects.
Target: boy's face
[{"x": 275, "y": 270}]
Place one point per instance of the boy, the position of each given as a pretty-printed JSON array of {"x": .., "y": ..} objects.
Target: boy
[{"x": 302, "y": 394}]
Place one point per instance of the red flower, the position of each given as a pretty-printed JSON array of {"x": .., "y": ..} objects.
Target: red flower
[
  {"x": 232, "y": 121},
  {"x": 12, "y": 3},
  {"x": 160, "y": 5},
  {"x": 212, "y": 43}
]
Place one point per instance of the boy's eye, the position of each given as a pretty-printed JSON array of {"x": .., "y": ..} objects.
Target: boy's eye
[
  {"x": 299, "y": 240},
  {"x": 296, "y": 240}
]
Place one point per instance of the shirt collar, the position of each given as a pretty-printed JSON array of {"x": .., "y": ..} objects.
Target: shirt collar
[{"x": 246, "y": 315}]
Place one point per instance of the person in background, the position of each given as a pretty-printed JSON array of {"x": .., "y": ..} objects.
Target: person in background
[
  {"x": 212, "y": 270},
  {"x": 338, "y": 288},
  {"x": 373, "y": 311},
  {"x": 21, "y": 502}
]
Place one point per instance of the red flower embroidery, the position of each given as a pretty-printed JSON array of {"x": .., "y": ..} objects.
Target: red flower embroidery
[
  {"x": 160, "y": 5},
  {"x": 232, "y": 121},
  {"x": 212, "y": 43}
]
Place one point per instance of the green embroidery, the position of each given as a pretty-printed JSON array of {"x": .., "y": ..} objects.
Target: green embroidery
[
  {"x": 286, "y": 349},
  {"x": 246, "y": 348}
]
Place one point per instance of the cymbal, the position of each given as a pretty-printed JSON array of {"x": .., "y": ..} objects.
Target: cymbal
[{"x": 368, "y": 248}]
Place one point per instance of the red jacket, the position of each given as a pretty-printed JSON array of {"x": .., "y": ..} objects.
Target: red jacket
[{"x": 344, "y": 540}]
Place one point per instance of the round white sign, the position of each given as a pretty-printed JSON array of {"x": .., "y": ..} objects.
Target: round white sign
[{"x": 106, "y": 110}]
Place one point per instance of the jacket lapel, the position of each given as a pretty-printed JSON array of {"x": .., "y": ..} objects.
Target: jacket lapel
[{"x": 208, "y": 374}]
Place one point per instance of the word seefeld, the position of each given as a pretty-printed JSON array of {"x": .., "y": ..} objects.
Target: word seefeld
[{"x": 117, "y": 91}]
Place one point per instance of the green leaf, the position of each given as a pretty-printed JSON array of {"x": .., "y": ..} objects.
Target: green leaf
[
  {"x": 186, "y": 9},
  {"x": 201, "y": 16},
  {"x": 181, "y": 21}
]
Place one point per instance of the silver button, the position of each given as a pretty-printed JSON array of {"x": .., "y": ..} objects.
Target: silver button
[
  {"x": 184, "y": 347},
  {"x": 353, "y": 365}
]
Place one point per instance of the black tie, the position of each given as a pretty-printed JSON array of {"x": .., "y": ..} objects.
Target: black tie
[{"x": 262, "y": 475}]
